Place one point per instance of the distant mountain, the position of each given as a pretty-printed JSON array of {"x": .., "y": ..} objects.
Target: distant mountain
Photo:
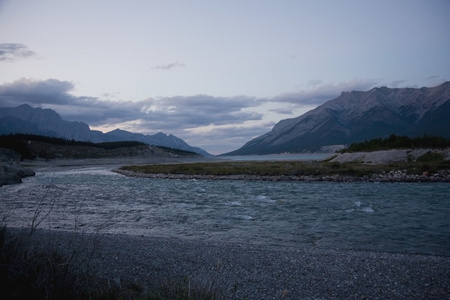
[
  {"x": 26, "y": 119},
  {"x": 159, "y": 139},
  {"x": 358, "y": 116},
  {"x": 29, "y": 120}
]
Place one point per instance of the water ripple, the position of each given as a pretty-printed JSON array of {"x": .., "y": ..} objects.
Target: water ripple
[{"x": 396, "y": 217}]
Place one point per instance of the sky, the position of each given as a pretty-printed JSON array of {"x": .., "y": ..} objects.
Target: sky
[{"x": 213, "y": 73}]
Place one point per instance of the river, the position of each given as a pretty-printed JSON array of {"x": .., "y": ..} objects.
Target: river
[{"x": 389, "y": 217}]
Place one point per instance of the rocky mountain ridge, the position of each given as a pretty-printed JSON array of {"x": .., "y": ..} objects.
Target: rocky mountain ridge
[
  {"x": 357, "y": 116},
  {"x": 28, "y": 120}
]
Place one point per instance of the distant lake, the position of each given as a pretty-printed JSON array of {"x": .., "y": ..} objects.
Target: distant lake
[{"x": 284, "y": 156}]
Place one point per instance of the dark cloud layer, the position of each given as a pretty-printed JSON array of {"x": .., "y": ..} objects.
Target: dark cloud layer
[
  {"x": 50, "y": 91},
  {"x": 318, "y": 92},
  {"x": 154, "y": 113},
  {"x": 11, "y": 52}
]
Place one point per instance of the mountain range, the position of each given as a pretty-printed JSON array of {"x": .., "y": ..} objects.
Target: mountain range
[
  {"x": 358, "y": 116},
  {"x": 47, "y": 122},
  {"x": 352, "y": 117}
]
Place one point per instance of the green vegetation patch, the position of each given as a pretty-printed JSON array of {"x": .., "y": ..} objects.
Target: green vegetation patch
[
  {"x": 177, "y": 151},
  {"x": 287, "y": 168},
  {"x": 115, "y": 145},
  {"x": 227, "y": 168},
  {"x": 13, "y": 139},
  {"x": 20, "y": 143},
  {"x": 431, "y": 157},
  {"x": 399, "y": 142},
  {"x": 31, "y": 146}
]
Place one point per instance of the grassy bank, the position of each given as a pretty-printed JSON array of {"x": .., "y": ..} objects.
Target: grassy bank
[{"x": 427, "y": 163}]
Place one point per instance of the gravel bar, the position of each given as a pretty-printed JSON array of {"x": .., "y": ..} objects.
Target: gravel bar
[
  {"x": 247, "y": 271},
  {"x": 392, "y": 176}
]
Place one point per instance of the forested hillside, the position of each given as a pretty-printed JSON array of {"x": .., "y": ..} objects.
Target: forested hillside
[
  {"x": 35, "y": 146},
  {"x": 399, "y": 142}
]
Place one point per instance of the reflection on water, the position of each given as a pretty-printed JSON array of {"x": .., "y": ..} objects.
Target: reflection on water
[{"x": 397, "y": 217}]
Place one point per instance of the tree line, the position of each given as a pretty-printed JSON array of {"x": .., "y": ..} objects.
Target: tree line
[
  {"x": 18, "y": 142},
  {"x": 399, "y": 142},
  {"x": 5, "y": 139}
]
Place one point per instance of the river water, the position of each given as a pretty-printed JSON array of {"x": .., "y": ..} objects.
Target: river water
[{"x": 391, "y": 217}]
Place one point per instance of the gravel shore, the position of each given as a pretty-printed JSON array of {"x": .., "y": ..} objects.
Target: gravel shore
[
  {"x": 246, "y": 271},
  {"x": 392, "y": 176},
  {"x": 250, "y": 271}
]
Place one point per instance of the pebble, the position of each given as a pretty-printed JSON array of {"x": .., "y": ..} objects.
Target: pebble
[{"x": 251, "y": 271}]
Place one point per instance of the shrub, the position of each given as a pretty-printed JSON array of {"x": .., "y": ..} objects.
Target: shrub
[
  {"x": 431, "y": 157},
  {"x": 31, "y": 270},
  {"x": 26, "y": 273},
  {"x": 399, "y": 142}
]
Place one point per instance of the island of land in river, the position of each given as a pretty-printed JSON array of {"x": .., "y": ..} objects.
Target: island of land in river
[{"x": 419, "y": 165}]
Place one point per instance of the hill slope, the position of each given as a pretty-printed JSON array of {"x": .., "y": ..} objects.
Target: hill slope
[
  {"x": 28, "y": 120},
  {"x": 357, "y": 116},
  {"x": 31, "y": 147}
]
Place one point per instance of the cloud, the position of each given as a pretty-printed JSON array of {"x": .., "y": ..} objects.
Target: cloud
[
  {"x": 154, "y": 114},
  {"x": 11, "y": 52},
  {"x": 226, "y": 138},
  {"x": 201, "y": 120},
  {"x": 50, "y": 91},
  {"x": 168, "y": 66},
  {"x": 435, "y": 80},
  {"x": 318, "y": 92},
  {"x": 282, "y": 110},
  {"x": 397, "y": 83},
  {"x": 199, "y": 110},
  {"x": 217, "y": 124},
  {"x": 433, "y": 77}
]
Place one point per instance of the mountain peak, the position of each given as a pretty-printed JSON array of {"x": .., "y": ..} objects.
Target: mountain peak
[
  {"x": 117, "y": 130},
  {"x": 357, "y": 116},
  {"x": 24, "y": 106},
  {"x": 26, "y": 119}
]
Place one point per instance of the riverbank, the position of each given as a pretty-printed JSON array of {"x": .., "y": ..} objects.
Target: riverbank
[
  {"x": 390, "y": 156},
  {"x": 11, "y": 171},
  {"x": 246, "y": 271},
  {"x": 413, "y": 165},
  {"x": 405, "y": 165},
  {"x": 391, "y": 176},
  {"x": 114, "y": 162}
]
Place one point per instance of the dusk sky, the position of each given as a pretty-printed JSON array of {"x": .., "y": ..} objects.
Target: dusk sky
[{"x": 213, "y": 73}]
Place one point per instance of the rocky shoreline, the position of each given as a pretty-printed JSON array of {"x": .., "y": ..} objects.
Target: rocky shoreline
[
  {"x": 11, "y": 172},
  {"x": 247, "y": 271},
  {"x": 392, "y": 176},
  {"x": 388, "y": 156}
]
